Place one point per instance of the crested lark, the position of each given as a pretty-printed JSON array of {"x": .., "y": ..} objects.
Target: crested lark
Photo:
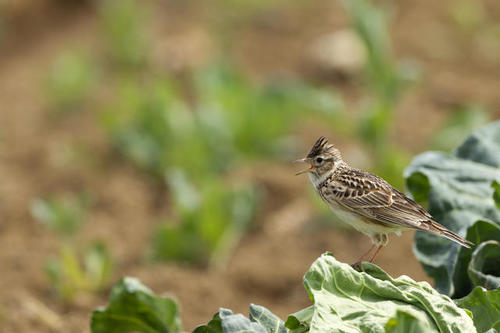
[{"x": 365, "y": 201}]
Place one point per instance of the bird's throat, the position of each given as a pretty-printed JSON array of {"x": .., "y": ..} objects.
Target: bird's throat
[{"x": 318, "y": 179}]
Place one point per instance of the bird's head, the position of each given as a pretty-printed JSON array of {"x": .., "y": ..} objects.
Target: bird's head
[{"x": 322, "y": 158}]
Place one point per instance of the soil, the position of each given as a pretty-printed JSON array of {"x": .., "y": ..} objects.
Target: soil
[{"x": 267, "y": 266}]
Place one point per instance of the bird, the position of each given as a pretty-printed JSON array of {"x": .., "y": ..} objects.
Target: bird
[{"x": 367, "y": 202}]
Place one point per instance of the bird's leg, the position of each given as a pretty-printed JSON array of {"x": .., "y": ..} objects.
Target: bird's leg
[
  {"x": 376, "y": 252},
  {"x": 381, "y": 240},
  {"x": 360, "y": 260}
]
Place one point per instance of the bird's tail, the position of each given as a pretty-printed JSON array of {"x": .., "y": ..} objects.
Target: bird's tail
[{"x": 440, "y": 230}]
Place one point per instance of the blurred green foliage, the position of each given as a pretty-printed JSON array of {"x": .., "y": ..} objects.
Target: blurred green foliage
[
  {"x": 197, "y": 131},
  {"x": 370, "y": 23},
  {"x": 256, "y": 122},
  {"x": 64, "y": 215},
  {"x": 69, "y": 82},
  {"x": 141, "y": 122},
  {"x": 459, "y": 124},
  {"x": 193, "y": 134},
  {"x": 73, "y": 271},
  {"x": 227, "y": 122},
  {"x": 386, "y": 81},
  {"x": 194, "y": 130},
  {"x": 211, "y": 219},
  {"x": 123, "y": 29}
]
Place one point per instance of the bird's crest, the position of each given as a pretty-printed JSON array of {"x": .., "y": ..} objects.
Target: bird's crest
[{"x": 323, "y": 147}]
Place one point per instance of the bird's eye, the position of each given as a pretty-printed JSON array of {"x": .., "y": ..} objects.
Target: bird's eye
[{"x": 319, "y": 160}]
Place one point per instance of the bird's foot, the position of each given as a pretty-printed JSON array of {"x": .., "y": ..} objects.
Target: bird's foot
[{"x": 358, "y": 265}]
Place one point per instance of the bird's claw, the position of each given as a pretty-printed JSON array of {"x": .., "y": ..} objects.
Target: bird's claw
[{"x": 358, "y": 264}]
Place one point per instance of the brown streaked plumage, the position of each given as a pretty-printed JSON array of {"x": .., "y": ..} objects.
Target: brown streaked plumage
[{"x": 365, "y": 201}]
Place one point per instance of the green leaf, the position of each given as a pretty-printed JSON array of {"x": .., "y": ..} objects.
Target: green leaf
[
  {"x": 480, "y": 232},
  {"x": 346, "y": 300},
  {"x": 261, "y": 321},
  {"x": 484, "y": 266},
  {"x": 459, "y": 192},
  {"x": 418, "y": 185},
  {"x": 299, "y": 321},
  {"x": 238, "y": 323},
  {"x": 485, "y": 308},
  {"x": 405, "y": 322},
  {"x": 213, "y": 326},
  {"x": 133, "y": 307},
  {"x": 496, "y": 194},
  {"x": 267, "y": 319}
]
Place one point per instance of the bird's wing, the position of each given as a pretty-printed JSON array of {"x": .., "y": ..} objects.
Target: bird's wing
[
  {"x": 372, "y": 197},
  {"x": 403, "y": 211},
  {"x": 407, "y": 213},
  {"x": 357, "y": 189}
]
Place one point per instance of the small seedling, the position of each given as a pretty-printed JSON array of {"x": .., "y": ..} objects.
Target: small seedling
[
  {"x": 73, "y": 271},
  {"x": 64, "y": 215},
  {"x": 69, "y": 82},
  {"x": 122, "y": 23},
  {"x": 212, "y": 218}
]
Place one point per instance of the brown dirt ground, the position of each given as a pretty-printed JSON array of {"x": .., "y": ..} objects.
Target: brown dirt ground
[{"x": 267, "y": 266}]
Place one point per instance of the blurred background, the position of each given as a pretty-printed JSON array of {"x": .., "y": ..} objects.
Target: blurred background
[{"x": 154, "y": 138}]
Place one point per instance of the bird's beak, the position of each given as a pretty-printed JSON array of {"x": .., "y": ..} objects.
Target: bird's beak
[{"x": 302, "y": 160}]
